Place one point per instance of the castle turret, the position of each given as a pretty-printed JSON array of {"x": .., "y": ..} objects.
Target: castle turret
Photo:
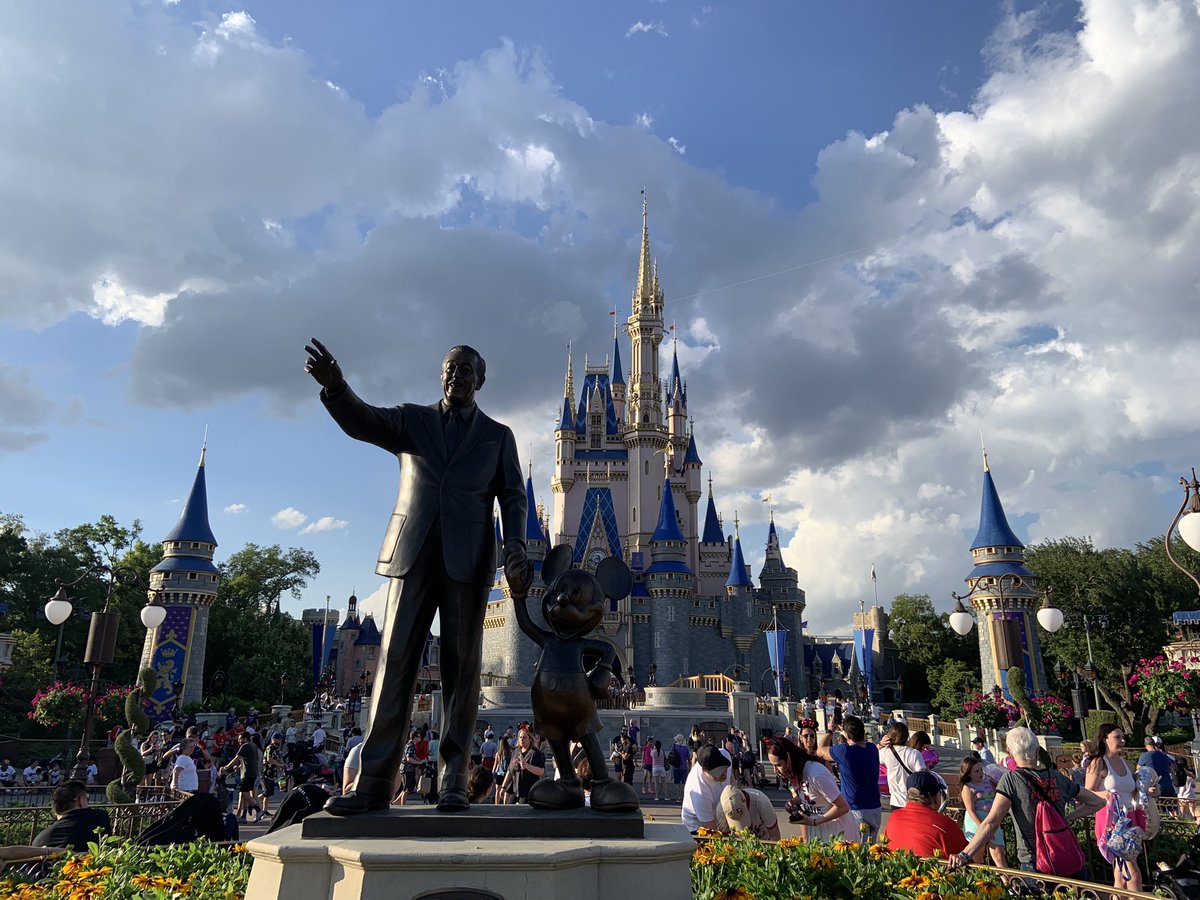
[
  {"x": 739, "y": 624},
  {"x": 676, "y": 405},
  {"x": 645, "y": 327},
  {"x": 783, "y": 600},
  {"x": 536, "y": 543},
  {"x": 671, "y": 585},
  {"x": 185, "y": 583},
  {"x": 1004, "y": 594},
  {"x": 617, "y": 380},
  {"x": 343, "y": 643}
]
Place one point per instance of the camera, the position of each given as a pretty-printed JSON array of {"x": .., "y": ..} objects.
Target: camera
[{"x": 796, "y": 817}]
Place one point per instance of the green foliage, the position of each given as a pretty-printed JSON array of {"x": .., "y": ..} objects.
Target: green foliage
[
  {"x": 31, "y": 669},
  {"x": 118, "y": 869},
  {"x": 952, "y": 681},
  {"x": 1031, "y": 716},
  {"x": 924, "y": 640},
  {"x": 138, "y": 724}
]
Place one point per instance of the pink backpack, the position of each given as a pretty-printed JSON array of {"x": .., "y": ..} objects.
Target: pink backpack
[{"x": 1056, "y": 850}]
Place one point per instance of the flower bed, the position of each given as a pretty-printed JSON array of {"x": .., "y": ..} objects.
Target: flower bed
[
  {"x": 1167, "y": 684},
  {"x": 116, "y": 869},
  {"x": 988, "y": 711},
  {"x": 744, "y": 868}
]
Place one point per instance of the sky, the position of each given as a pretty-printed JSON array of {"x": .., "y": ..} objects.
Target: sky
[{"x": 881, "y": 229}]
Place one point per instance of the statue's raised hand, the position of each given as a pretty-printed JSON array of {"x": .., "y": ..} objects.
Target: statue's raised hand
[{"x": 323, "y": 367}]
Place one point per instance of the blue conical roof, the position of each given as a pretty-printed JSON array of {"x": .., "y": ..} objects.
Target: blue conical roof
[
  {"x": 193, "y": 523},
  {"x": 993, "y": 526},
  {"x": 676, "y": 381},
  {"x": 692, "y": 455},
  {"x": 737, "y": 567},
  {"x": 618, "y": 377},
  {"x": 668, "y": 527},
  {"x": 567, "y": 423},
  {"x": 533, "y": 528},
  {"x": 712, "y": 524},
  {"x": 369, "y": 634}
]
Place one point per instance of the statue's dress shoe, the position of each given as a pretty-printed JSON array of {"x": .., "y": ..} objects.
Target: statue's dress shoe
[
  {"x": 614, "y": 796},
  {"x": 453, "y": 800},
  {"x": 354, "y": 803},
  {"x": 551, "y": 794}
]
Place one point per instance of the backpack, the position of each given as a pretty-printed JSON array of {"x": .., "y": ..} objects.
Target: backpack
[
  {"x": 1056, "y": 849},
  {"x": 673, "y": 759},
  {"x": 1122, "y": 836}
]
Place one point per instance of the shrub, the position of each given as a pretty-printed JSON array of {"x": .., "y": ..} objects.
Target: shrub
[
  {"x": 1166, "y": 684},
  {"x": 61, "y": 703}
]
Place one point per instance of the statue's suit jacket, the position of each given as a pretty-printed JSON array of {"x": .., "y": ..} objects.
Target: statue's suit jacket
[{"x": 456, "y": 492}]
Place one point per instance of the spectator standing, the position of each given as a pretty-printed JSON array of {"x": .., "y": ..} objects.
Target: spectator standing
[
  {"x": 246, "y": 759},
  {"x": 920, "y": 742},
  {"x": 658, "y": 771},
  {"x": 410, "y": 768},
  {"x": 1110, "y": 776},
  {"x": 977, "y": 794},
  {"x": 75, "y": 822},
  {"x": 1018, "y": 792},
  {"x": 184, "y": 776},
  {"x": 648, "y": 767},
  {"x": 488, "y": 750},
  {"x": 274, "y": 773},
  {"x": 289, "y": 737},
  {"x": 817, "y": 803},
  {"x": 980, "y": 748},
  {"x": 697, "y": 740},
  {"x": 634, "y": 732},
  {"x": 528, "y": 764},
  {"x": 679, "y": 772},
  {"x": 1161, "y": 763},
  {"x": 702, "y": 791},
  {"x": 858, "y": 763},
  {"x": 318, "y": 739},
  {"x": 624, "y": 752},
  {"x": 899, "y": 761},
  {"x": 918, "y": 826}
]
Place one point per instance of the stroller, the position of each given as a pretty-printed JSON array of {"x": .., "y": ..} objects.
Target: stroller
[{"x": 1182, "y": 880}]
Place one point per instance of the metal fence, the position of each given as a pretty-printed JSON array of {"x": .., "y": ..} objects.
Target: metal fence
[{"x": 26, "y": 811}]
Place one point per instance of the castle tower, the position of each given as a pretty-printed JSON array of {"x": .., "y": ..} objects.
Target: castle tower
[
  {"x": 779, "y": 589},
  {"x": 617, "y": 380},
  {"x": 691, "y": 492},
  {"x": 343, "y": 643},
  {"x": 185, "y": 583},
  {"x": 671, "y": 586},
  {"x": 739, "y": 622},
  {"x": 1004, "y": 595}
]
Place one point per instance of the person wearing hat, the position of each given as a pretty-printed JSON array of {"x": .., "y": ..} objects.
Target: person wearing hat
[
  {"x": 980, "y": 749},
  {"x": 679, "y": 772},
  {"x": 747, "y": 809},
  {"x": 918, "y": 826},
  {"x": 1161, "y": 763},
  {"x": 702, "y": 790}
]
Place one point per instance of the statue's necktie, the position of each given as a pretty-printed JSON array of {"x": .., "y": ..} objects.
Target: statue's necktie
[{"x": 453, "y": 430}]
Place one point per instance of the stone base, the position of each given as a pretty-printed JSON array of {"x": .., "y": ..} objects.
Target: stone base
[
  {"x": 500, "y": 867},
  {"x": 480, "y": 821}
]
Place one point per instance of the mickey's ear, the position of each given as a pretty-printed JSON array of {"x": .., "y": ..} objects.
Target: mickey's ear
[
  {"x": 556, "y": 562},
  {"x": 614, "y": 577}
]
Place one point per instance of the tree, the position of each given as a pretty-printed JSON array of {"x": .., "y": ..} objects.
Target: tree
[
  {"x": 924, "y": 639},
  {"x": 951, "y": 682},
  {"x": 255, "y": 578}
]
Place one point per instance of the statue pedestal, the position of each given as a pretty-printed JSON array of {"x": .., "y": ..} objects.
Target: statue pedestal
[{"x": 336, "y": 862}]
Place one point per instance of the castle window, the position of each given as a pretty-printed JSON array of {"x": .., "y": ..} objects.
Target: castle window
[
  {"x": 195, "y": 546},
  {"x": 645, "y": 418},
  {"x": 635, "y": 514},
  {"x": 192, "y": 576},
  {"x": 370, "y": 653},
  {"x": 647, "y": 467}
]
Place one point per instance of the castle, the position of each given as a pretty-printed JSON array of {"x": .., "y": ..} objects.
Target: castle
[{"x": 627, "y": 482}]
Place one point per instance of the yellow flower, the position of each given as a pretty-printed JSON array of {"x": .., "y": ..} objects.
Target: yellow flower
[
  {"x": 181, "y": 887},
  {"x": 141, "y": 880},
  {"x": 989, "y": 890},
  {"x": 821, "y": 861},
  {"x": 914, "y": 882},
  {"x": 790, "y": 843},
  {"x": 735, "y": 894},
  {"x": 878, "y": 851},
  {"x": 926, "y": 895},
  {"x": 160, "y": 881},
  {"x": 708, "y": 832},
  {"x": 238, "y": 848},
  {"x": 841, "y": 845}
]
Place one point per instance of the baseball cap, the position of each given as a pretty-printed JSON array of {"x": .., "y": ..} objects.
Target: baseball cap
[
  {"x": 925, "y": 782},
  {"x": 977, "y": 742},
  {"x": 679, "y": 738},
  {"x": 712, "y": 759},
  {"x": 736, "y": 806},
  {"x": 1158, "y": 742}
]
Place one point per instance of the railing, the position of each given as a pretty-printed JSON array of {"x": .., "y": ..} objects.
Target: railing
[
  {"x": 915, "y": 724},
  {"x": 947, "y": 729},
  {"x": 718, "y": 684},
  {"x": 622, "y": 700},
  {"x": 20, "y": 824},
  {"x": 490, "y": 679}
]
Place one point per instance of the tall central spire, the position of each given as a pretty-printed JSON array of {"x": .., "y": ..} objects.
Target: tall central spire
[{"x": 645, "y": 285}]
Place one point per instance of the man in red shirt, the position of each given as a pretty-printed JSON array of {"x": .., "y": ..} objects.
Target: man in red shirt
[{"x": 919, "y": 826}]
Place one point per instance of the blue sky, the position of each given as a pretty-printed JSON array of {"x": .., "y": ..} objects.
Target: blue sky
[{"x": 881, "y": 227}]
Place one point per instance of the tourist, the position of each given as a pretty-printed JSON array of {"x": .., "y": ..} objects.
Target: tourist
[
  {"x": 54, "y": 776},
  {"x": 503, "y": 755},
  {"x": 488, "y": 750},
  {"x": 980, "y": 749},
  {"x": 246, "y": 759},
  {"x": 747, "y": 809},
  {"x": 858, "y": 763},
  {"x": 808, "y": 737},
  {"x": 350, "y": 768},
  {"x": 702, "y": 791},
  {"x": 75, "y": 824},
  {"x": 697, "y": 739},
  {"x": 410, "y": 768},
  {"x": 356, "y": 737},
  {"x": 1110, "y": 776},
  {"x": 274, "y": 770},
  {"x": 658, "y": 771},
  {"x": 920, "y": 742},
  {"x": 917, "y": 826},
  {"x": 623, "y": 756},
  {"x": 528, "y": 764},
  {"x": 977, "y": 794},
  {"x": 183, "y": 770},
  {"x": 1019, "y": 791},
  {"x": 318, "y": 739},
  {"x": 899, "y": 761},
  {"x": 32, "y": 774},
  {"x": 679, "y": 772},
  {"x": 1161, "y": 763},
  {"x": 817, "y": 803},
  {"x": 8, "y": 775},
  {"x": 648, "y": 766}
]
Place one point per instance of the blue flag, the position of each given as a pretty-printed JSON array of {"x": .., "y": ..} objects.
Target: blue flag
[{"x": 776, "y": 652}]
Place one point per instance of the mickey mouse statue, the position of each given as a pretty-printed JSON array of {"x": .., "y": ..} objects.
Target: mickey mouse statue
[{"x": 564, "y": 690}]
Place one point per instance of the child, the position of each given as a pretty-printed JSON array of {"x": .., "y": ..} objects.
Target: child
[{"x": 977, "y": 795}]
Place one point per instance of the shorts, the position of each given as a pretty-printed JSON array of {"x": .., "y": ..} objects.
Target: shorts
[
  {"x": 268, "y": 787},
  {"x": 489, "y": 763},
  {"x": 678, "y": 774},
  {"x": 248, "y": 785},
  {"x": 648, "y": 768},
  {"x": 872, "y": 818},
  {"x": 410, "y": 779}
]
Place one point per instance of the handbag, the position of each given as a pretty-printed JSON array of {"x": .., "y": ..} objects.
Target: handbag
[{"x": 1122, "y": 836}]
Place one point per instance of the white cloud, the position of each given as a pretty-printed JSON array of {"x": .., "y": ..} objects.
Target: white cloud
[
  {"x": 325, "y": 523},
  {"x": 234, "y": 508},
  {"x": 288, "y": 518},
  {"x": 644, "y": 120},
  {"x": 677, "y": 146},
  {"x": 640, "y": 27}
]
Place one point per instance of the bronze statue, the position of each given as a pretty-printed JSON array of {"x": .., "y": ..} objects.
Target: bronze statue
[
  {"x": 439, "y": 554},
  {"x": 565, "y": 690}
]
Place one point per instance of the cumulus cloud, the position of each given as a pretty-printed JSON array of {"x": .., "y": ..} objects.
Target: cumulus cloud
[
  {"x": 1015, "y": 263},
  {"x": 234, "y": 508},
  {"x": 677, "y": 145},
  {"x": 288, "y": 518},
  {"x": 325, "y": 523},
  {"x": 24, "y": 409},
  {"x": 640, "y": 27},
  {"x": 644, "y": 120}
]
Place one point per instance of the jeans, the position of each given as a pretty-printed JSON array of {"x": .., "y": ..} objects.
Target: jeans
[{"x": 872, "y": 818}]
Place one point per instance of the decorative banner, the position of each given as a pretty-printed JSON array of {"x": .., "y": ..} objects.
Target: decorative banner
[
  {"x": 1010, "y": 647},
  {"x": 330, "y": 633},
  {"x": 776, "y": 652},
  {"x": 864, "y": 640},
  {"x": 172, "y": 650},
  {"x": 317, "y": 654}
]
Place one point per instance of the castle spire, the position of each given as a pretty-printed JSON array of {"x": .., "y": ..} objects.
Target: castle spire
[
  {"x": 668, "y": 524},
  {"x": 193, "y": 522},
  {"x": 533, "y": 526},
  {"x": 713, "y": 533},
  {"x": 645, "y": 285},
  {"x": 618, "y": 376},
  {"x": 676, "y": 389},
  {"x": 737, "y": 566},
  {"x": 994, "y": 530},
  {"x": 569, "y": 385}
]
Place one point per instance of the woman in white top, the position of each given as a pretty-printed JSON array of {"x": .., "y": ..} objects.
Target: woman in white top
[
  {"x": 1110, "y": 775},
  {"x": 900, "y": 761},
  {"x": 826, "y": 814},
  {"x": 658, "y": 771}
]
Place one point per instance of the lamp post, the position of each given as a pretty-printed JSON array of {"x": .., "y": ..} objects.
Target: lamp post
[
  {"x": 101, "y": 643},
  {"x": 283, "y": 683},
  {"x": 1077, "y": 699},
  {"x": 1052, "y": 619},
  {"x": 58, "y": 610},
  {"x": 1187, "y": 520}
]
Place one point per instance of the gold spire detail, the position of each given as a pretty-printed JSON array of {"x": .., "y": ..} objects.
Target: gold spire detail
[
  {"x": 645, "y": 285},
  {"x": 569, "y": 391},
  {"x": 737, "y": 531},
  {"x": 204, "y": 447},
  {"x": 984, "y": 447}
]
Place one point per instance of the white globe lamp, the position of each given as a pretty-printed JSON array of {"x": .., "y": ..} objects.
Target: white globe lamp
[
  {"x": 58, "y": 608},
  {"x": 1050, "y": 617},
  {"x": 1189, "y": 530},
  {"x": 153, "y": 615},
  {"x": 961, "y": 620}
]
